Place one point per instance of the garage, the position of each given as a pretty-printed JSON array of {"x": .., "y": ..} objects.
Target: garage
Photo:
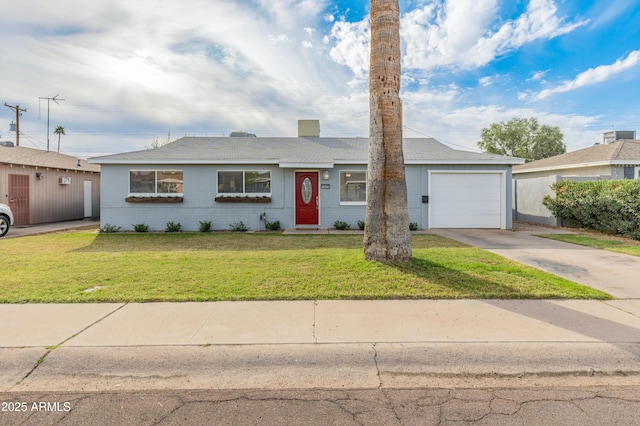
[{"x": 466, "y": 200}]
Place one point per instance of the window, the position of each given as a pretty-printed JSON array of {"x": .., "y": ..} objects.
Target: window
[
  {"x": 153, "y": 182},
  {"x": 244, "y": 182},
  {"x": 629, "y": 172},
  {"x": 353, "y": 187}
]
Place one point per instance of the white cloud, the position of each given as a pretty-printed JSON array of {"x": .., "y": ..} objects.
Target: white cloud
[
  {"x": 594, "y": 75},
  {"x": 133, "y": 70},
  {"x": 538, "y": 76},
  {"x": 352, "y": 45},
  {"x": 486, "y": 81},
  {"x": 453, "y": 33}
]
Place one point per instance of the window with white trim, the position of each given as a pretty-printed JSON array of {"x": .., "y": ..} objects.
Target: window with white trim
[
  {"x": 353, "y": 187},
  {"x": 156, "y": 182},
  {"x": 247, "y": 182}
]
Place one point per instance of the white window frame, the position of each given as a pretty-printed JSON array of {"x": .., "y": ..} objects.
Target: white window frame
[
  {"x": 244, "y": 179},
  {"x": 351, "y": 203},
  {"x": 155, "y": 185}
]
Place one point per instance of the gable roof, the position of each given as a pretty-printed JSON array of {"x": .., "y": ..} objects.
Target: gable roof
[
  {"x": 20, "y": 155},
  {"x": 616, "y": 153},
  {"x": 294, "y": 152}
]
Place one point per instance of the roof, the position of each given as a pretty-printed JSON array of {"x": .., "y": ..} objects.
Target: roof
[
  {"x": 617, "y": 153},
  {"x": 295, "y": 152},
  {"x": 38, "y": 158}
]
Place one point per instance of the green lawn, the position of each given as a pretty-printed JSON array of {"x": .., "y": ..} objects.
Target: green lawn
[
  {"x": 600, "y": 241},
  {"x": 90, "y": 267}
]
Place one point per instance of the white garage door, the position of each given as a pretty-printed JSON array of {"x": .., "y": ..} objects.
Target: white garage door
[{"x": 465, "y": 200}]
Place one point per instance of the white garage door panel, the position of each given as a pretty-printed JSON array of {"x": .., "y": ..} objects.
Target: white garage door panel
[{"x": 465, "y": 200}]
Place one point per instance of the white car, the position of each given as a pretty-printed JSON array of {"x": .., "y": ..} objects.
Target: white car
[{"x": 6, "y": 219}]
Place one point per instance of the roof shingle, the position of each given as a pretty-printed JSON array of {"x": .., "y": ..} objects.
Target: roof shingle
[
  {"x": 39, "y": 158},
  {"x": 617, "y": 151},
  {"x": 300, "y": 150}
]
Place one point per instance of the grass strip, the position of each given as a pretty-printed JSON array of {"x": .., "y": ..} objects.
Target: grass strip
[
  {"x": 85, "y": 266},
  {"x": 600, "y": 241}
]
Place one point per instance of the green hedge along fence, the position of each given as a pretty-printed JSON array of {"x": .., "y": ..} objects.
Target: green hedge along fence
[{"x": 611, "y": 206}]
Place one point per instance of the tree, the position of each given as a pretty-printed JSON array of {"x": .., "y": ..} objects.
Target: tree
[
  {"x": 524, "y": 138},
  {"x": 59, "y": 131},
  {"x": 386, "y": 235},
  {"x": 157, "y": 142}
]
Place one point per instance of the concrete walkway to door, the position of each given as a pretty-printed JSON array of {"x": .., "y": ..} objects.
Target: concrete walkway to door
[{"x": 614, "y": 273}]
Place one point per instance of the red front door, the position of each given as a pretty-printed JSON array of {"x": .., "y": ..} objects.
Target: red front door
[
  {"x": 307, "y": 198},
  {"x": 19, "y": 198}
]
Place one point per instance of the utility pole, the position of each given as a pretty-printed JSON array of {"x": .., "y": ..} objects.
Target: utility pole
[
  {"x": 17, "y": 110},
  {"x": 54, "y": 99}
]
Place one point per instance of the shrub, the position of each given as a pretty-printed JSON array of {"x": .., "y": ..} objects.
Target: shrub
[
  {"x": 361, "y": 225},
  {"x": 611, "y": 206},
  {"x": 238, "y": 227},
  {"x": 340, "y": 225},
  {"x": 141, "y": 227},
  {"x": 413, "y": 226},
  {"x": 205, "y": 226},
  {"x": 272, "y": 226},
  {"x": 108, "y": 229},
  {"x": 173, "y": 227}
]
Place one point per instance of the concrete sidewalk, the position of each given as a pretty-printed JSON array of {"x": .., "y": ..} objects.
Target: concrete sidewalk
[{"x": 318, "y": 344}]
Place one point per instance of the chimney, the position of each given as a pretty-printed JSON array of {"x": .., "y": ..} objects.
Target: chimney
[{"x": 308, "y": 128}]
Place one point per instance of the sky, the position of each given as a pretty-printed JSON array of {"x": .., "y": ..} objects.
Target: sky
[{"x": 127, "y": 73}]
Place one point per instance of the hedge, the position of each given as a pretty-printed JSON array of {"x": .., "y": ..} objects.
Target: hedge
[{"x": 611, "y": 206}]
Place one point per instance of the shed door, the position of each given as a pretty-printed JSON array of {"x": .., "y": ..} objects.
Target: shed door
[
  {"x": 19, "y": 198},
  {"x": 307, "y": 198},
  {"x": 88, "y": 199},
  {"x": 465, "y": 200}
]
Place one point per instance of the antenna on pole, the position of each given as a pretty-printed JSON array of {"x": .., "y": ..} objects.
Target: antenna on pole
[
  {"x": 54, "y": 99},
  {"x": 18, "y": 112}
]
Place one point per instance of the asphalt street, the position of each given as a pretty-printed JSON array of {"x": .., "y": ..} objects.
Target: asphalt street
[{"x": 497, "y": 406}]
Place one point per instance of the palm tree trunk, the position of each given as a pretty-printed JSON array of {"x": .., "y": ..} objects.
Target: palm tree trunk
[{"x": 387, "y": 237}]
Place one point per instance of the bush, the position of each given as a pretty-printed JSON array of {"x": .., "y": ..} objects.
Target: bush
[
  {"x": 361, "y": 225},
  {"x": 108, "y": 229},
  {"x": 238, "y": 227},
  {"x": 272, "y": 226},
  {"x": 611, "y": 206},
  {"x": 413, "y": 226},
  {"x": 141, "y": 227},
  {"x": 340, "y": 225},
  {"x": 173, "y": 227},
  {"x": 205, "y": 226}
]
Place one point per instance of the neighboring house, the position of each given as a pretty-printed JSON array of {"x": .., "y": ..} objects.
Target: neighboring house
[
  {"x": 44, "y": 186},
  {"x": 615, "y": 159},
  {"x": 303, "y": 182}
]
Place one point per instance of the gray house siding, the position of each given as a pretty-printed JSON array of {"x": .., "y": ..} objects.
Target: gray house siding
[
  {"x": 200, "y": 189},
  {"x": 198, "y": 200}
]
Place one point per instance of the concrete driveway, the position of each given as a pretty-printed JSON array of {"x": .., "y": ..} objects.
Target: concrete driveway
[{"x": 614, "y": 273}]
